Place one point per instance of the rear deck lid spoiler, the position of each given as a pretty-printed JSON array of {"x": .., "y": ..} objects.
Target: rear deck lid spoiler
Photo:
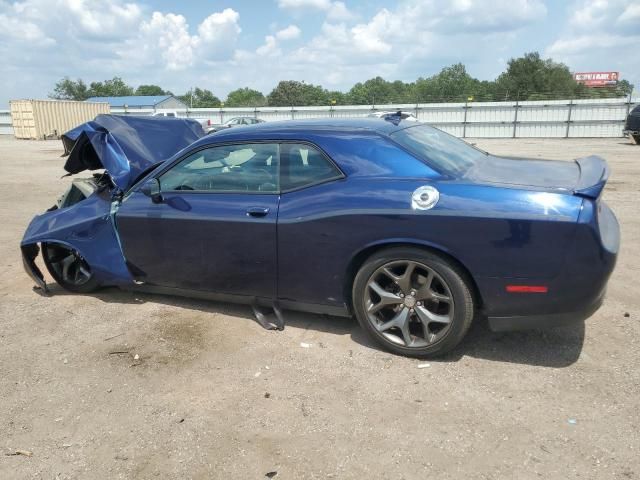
[
  {"x": 127, "y": 146},
  {"x": 594, "y": 173}
]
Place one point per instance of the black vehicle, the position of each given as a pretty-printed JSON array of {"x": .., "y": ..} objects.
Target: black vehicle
[{"x": 632, "y": 125}]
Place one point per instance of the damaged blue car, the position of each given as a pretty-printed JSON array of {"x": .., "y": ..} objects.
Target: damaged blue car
[{"x": 410, "y": 230}]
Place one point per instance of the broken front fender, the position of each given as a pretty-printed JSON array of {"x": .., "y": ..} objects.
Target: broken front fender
[
  {"x": 87, "y": 227},
  {"x": 29, "y": 254}
]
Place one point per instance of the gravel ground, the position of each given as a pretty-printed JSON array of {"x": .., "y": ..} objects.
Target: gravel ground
[{"x": 212, "y": 395}]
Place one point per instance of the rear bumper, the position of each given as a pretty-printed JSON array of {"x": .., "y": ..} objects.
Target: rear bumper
[{"x": 541, "y": 322}]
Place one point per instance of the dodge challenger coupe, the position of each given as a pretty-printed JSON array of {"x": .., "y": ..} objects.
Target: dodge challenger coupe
[{"x": 412, "y": 231}]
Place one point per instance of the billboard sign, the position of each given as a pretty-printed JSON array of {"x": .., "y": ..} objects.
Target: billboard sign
[{"x": 596, "y": 79}]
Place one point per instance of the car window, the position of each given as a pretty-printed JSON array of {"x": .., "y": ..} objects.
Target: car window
[
  {"x": 444, "y": 151},
  {"x": 171, "y": 114},
  {"x": 304, "y": 165},
  {"x": 230, "y": 168}
]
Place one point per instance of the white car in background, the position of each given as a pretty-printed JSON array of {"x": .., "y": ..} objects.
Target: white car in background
[{"x": 205, "y": 122}]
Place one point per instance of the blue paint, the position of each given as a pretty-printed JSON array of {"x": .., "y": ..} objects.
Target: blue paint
[{"x": 503, "y": 220}]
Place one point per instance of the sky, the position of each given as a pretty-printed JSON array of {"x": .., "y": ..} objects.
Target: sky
[{"x": 222, "y": 45}]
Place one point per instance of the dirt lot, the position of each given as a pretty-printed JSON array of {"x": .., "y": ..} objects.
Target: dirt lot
[{"x": 212, "y": 395}]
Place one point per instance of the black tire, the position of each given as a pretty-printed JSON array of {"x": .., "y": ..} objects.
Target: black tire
[
  {"x": 635, "y": 139},
  {"x": 454, "y": 279},
  {"x": 50, "y": 254}
]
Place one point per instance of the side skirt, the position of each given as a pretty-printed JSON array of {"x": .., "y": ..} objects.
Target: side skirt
[{"x": 242, "y": 299}]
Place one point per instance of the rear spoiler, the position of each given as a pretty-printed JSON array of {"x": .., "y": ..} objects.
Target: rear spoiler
[{"x": 594, "y": 173}]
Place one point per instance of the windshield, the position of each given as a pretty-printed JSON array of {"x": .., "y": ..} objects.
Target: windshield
[{"x": 444, "y": 151}]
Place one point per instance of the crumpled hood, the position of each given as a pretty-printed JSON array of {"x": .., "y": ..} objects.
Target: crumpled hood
[{"x": 125, "y": 146}]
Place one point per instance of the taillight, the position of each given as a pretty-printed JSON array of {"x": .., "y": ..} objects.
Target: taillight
[{"x": 209, "y": 122}]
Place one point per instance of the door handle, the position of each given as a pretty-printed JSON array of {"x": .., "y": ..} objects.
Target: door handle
[{"x": 257, "y": 211}]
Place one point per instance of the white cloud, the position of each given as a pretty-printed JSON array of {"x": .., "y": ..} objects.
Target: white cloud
[
  {"x": 317, "y": 4},
  {"x": 270, "y": 47},
  {"x": 220, "y": 28},
  {"x": 14, "y": 29},
  {"x": 289, "y": 33},
  {"x": 100, "y": 19},
  {"x": 603, "y": 35},
  {"x": 338, "y": 11},
  {"x": 335, "y": 10},
  {"x": 169, "y": 34}
]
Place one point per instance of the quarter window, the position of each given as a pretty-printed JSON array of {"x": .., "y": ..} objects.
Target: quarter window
[
  {"x": 228, "y": 168},
  {"x": 303, "y": 165}
]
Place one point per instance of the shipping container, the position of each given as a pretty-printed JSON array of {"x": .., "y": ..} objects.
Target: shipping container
[{"x": 42, "y": 119}]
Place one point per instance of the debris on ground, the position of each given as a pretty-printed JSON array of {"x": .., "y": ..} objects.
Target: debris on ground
[
  {"x": 572, "y": 421},
  {"x": 305, "y": 345},
  {"x": 115, "y": 336},
  {"x": 627, "y": 314},
  {"x": 257, "y": 374},
  {"x": 136, "y": 357},
  {"x": 424, "y": 365},
  {"x": 24, "y": 453},
  {"x": 267, "y": 395},
  {"x": 270, "y": 474}
]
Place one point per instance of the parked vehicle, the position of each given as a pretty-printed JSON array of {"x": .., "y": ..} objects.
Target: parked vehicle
[
  {"x": 632, "y": 125},
  {"x": 399, "y": 115},
  {"x": 409, "y": 229},
  {"x": 234, "y": 122},
  {"x": 171, "y": 114},
  {"x": 204, "y": 122}
]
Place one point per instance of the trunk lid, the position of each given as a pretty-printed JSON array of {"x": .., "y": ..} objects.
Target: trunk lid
[{"x": 585, "y": 176}]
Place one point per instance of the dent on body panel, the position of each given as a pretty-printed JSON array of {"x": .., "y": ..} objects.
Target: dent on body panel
[{"x": 88, "y": 228}]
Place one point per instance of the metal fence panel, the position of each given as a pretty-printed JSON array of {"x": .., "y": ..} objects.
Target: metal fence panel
[{"x": 544, "y": 118}]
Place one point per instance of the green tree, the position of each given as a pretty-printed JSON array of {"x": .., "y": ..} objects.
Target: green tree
[
  {"x": 293, "y": 93},
  {"x": 151, "y": 90},
  {"x": 335, "y": 97},
  {"x": 67, "y": 89},
  {"x": 110, "y": 88},
  {"x": 200, "y": 98},
  {"x": 375, "y": 91},
  {"x": 624, "y": 87},
  {"x": 532, "y": 77},
  {"x": 245, "y": 97}
]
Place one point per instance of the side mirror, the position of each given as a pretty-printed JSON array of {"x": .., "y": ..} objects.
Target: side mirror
[{"x": 151, "y": 188}]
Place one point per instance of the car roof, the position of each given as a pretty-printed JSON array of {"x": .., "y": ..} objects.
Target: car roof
[{"x": 307, "y": 126}]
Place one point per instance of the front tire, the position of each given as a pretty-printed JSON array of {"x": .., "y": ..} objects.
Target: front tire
[
  {"x": 413, "y": 302},
  {"x": 68, "y": 268}
]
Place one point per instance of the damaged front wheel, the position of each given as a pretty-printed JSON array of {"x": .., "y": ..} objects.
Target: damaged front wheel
[{"x": 69, "y": 268}]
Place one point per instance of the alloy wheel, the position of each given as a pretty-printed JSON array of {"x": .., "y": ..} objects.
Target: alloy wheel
[
  {"x": 68, "y": 265},
  {"x": 409, "y": 303}
]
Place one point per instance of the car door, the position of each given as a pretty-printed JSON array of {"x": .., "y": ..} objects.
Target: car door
[
  {"x": 214, "y": 226},
  {"x": 310, "y": 185}
]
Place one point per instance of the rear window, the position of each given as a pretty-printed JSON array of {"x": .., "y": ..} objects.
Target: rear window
[{"x": 443, "y": 151}]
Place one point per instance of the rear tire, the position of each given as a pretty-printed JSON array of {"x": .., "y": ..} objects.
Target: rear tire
[
  {"x": 635, "y": 139},
  {"x": 68, "y": 268},
  {"x": 413, "y": 302}
]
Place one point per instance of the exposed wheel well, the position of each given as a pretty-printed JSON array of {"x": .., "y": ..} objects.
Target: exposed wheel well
[{"x": 362, "y": 257}]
